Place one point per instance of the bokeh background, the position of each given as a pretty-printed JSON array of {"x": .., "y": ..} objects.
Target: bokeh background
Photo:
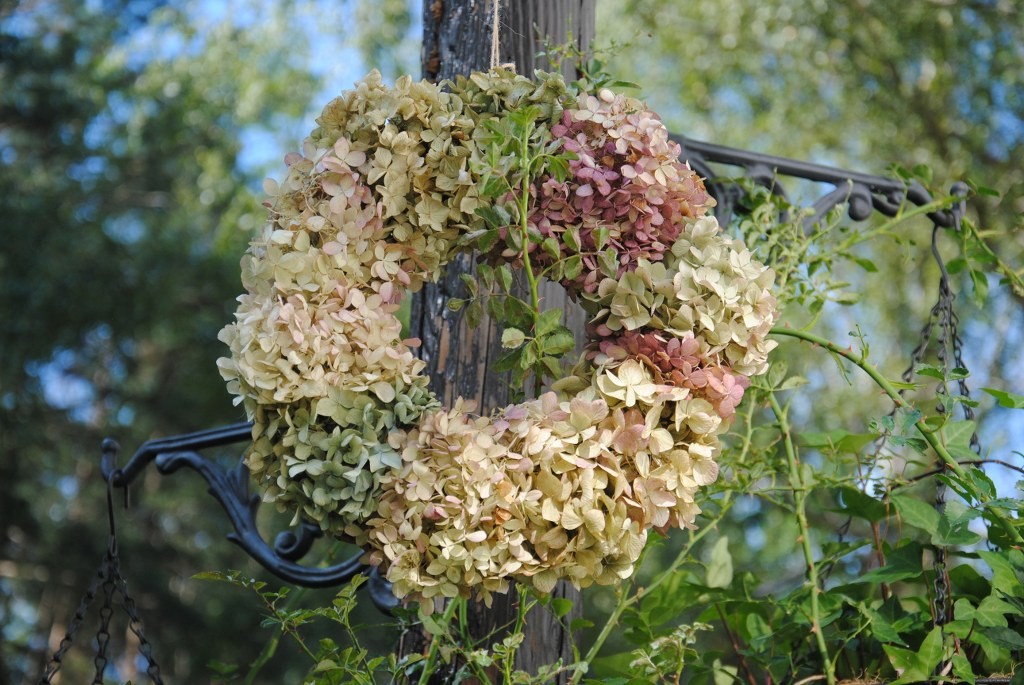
[{"x": 134, "y": 135}]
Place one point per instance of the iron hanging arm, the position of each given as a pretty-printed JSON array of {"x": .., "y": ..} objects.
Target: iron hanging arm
[
  {"x": 865, "y": 193},
  {"x": 231, "y": 489},
  {"x": 151, "y": 449}
]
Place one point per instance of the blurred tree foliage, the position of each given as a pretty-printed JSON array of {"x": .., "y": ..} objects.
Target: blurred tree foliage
[
  {"x": 121, "y": 195},
  {"x": 849, "y": 82}
]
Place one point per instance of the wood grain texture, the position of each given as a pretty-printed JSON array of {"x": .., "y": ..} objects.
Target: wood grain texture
[{"x": 457, "y": 40}]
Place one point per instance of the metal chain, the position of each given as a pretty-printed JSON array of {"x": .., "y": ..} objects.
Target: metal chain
[
  {"x": 113, "y": 582},
  {"x": 943, "y": 322},
  {"x": 65, "y": 644},
  {"x": 135, "y": 624},
  {"x": 103, "y": 634}
]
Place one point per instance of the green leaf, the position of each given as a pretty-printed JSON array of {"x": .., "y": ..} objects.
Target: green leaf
[
  {"x": 487, "y": 240},
  {"x": 495, "y": 216},
  {"x": 548, "y": 321},
  {"x": 865, "y": 264},
  {"x": 433, "y": 626},
  {"x": 559, "y": 342},
  {"x": 561, "y": 606},
  {"x": 880, "y": 627},
  {"x": 573, "y": 267},
  {"x": 1010, "y": 400},
  {"x": 914, "y": 666},
  {"x": 719, "y": 570},
  {"x": 558, "y": 167},
  {"x": 758, "y": 630},
  {"x": 981, "y": 482},
  {"x": 1004, "y": 637},
  {"x": 470, "y": 283},
  {"x": 956, "y": 265},
  {"x": 509, "y": 361},
  {"x": 496, "y": 307},
  {"x": 958, "y": 433},
  {"x": 551, "y": 246},
  {"x": 580, "y": 624},
  {"x": 980, "y": 281},
  {"x": 601, "y": 235},
  {"x": 608, "y": 261},
  {"x": 504, "y": 275},
  {"x": 222, "y": 669},
  {"x": 529, "y": 357},
  {"x": 572, "y": 238},
  {"x": 857, "y": 503},
  {"x": 917, "y": 513},
  {"x": 486, "y": 274},
  {"x": 474, "y": 313},
  {"x": 903, "y": 563},
  {"x": 518, "y": 313},
  {"x": 1004, "y": 577},
  {"x": 962, "y": 669},
  {"x": 990, "y": 613},
  {"x": 967, "y": 581},
  {"x": 512, "y": 338},
  {"x": 213, "y": 575},
  {"x": 838, "y": 440},
  {"x": 931, "y": 371},
  {"x": 953, "y": 528}
]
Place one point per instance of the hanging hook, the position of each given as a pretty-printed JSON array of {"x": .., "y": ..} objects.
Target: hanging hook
[
  {"x": 112, "y": 543},
  {"x": 958, "y": 190}
]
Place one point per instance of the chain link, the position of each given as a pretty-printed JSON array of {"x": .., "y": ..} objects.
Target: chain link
[
  {"x": 76, "y": 621},
  {"x": 135, "y": 625},
  {"x": 103, "y": 634},
  {"x": 942, "y": 325},
  {"x": 108, "y": 576}
]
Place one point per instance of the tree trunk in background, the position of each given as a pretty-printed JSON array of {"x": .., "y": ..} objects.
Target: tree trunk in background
[{"x": 457, "y": 40}]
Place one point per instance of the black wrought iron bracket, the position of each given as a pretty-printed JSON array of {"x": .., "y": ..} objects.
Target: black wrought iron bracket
[
  {"x": 862, "y": 193},
  {"x": 231, "y": 489}
]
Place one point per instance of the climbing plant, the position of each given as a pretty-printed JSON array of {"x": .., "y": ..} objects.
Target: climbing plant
[{"x": 903, "y": 532}]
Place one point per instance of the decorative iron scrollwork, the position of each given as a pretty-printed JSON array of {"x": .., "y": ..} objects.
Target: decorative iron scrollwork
[
  {"x": 230, "y": 487},
  {"x": 862, "y": 193}
]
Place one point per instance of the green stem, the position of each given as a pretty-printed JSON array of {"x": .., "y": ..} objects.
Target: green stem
[
  {"x": 1012, "y": 277},
  {"x": 435, "y": 642},
  {"x": 266, "y": 654},
  {"x": 510, "y": 653},
  {"x": 627, "y": 600},
  {"x": 931, "y": 436},
  {"x": 799, "y": 489},
  {"x": 269, "y": 649}
]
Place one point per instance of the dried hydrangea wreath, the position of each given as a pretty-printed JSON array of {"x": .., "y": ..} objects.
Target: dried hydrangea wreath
[{"x": 578, "y": 184}]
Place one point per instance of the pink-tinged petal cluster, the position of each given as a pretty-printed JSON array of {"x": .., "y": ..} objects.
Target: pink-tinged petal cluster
[
  {"x": 678, "y": 362},
  {"x": 626, "y": 177}
]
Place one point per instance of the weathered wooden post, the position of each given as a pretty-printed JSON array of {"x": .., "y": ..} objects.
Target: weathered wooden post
[{"x": 457, "y": 39}]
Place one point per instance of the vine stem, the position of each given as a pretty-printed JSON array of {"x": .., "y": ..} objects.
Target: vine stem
[
  {"x": 627, "y": 600},
  {"x": 800, "y": 500},
  {"x": 931, "y": 436},
  {"x": 446, "y": 620},
  {"x": 523, "y": 201},
  {"x": 1012, "y": 277}
]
